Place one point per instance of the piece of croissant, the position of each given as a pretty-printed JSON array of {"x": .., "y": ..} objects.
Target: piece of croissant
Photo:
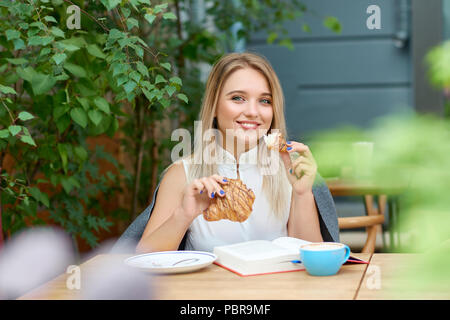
[
  {"x": 236, "y": 205},
  {"x": 276, "y": 141}
]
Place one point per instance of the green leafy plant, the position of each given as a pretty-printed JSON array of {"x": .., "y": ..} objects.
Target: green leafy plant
[{"x": 60, "y": 87}]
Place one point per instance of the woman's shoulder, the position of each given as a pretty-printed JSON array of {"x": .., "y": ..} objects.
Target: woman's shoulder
[{"x": 174, "y": 177}]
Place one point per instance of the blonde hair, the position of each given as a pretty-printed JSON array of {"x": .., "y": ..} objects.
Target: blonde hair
[{"x": 275, "y": 186}]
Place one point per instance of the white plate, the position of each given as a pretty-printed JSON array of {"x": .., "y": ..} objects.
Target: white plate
[{"x": 171, "y": 261}]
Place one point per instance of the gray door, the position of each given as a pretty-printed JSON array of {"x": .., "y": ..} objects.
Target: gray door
[{"x": 353, "y": 77}]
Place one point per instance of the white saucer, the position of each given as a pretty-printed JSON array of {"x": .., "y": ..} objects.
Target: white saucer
[{"x": 171, "y": 261}]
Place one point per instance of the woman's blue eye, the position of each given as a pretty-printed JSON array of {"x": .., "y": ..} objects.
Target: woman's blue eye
[
  {"x": 237, "y": 98},
  {"x": 266, "y": 101}
]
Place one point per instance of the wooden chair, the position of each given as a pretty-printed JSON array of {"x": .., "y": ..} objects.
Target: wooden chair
[{"x": 372, "y": 221}]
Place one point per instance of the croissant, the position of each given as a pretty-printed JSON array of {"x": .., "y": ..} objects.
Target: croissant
[
  {"x": 276, "y": 141},
  {"x": 236, "y": 205}
]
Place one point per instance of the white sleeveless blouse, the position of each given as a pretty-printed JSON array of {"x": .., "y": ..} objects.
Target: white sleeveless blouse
[{"x": 261, "y": 225}]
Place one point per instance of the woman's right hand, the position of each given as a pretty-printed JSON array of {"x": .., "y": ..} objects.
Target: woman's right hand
[{"x": 199, "y": 193}]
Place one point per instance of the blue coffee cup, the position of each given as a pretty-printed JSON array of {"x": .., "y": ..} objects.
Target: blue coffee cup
[{"x": 324, "y": 258}]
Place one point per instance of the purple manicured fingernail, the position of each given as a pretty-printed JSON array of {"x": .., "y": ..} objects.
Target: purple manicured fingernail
[
  {"x": 222, "y": 192},
  {"x": 225, "y": 180},
  {"x": 201, "y": 191},
  {"x": 212, "y": 195},
  {"x": 289, "y": 148},
  {"x": 288, "y": 142}
]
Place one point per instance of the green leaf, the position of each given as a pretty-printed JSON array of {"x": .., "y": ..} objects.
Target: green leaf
[
  {"x": 306, "y": 28},
  {"x": 79, "y": 116},
  {"x": 148, "y": 94},
  {"x": 7, "y": 90},
  {"x": 165, "y": 103},
  {"x": 95, "y": 51},
  {"x": 131, "y": 23},
  {"x": 39, "y": 196},
  {"x": 333, "y": 24},
  {"x": 71, "y": 44},
  {"x": 26, "y": 74},
  {"x": 95, "y": 116},
  {"x": 80, "y": 153},
  {"x": 176, "y": 80},
  {"x": 27, "y": 139},
  {"x": 84, "y": 103},
  {"x": 23, "y": 25},
  {"x": 166, "y": 65},
  {"x": 60, "y": 111},
  {"x": 115, "y": 34},
  {"x": 110, "y": 4},
  {"x": 39, "y": 40},
  {"x": 129, "y": 86},
  {"x": 41, "y": 83},
  {"x": 67, "y": 184},
  {"x": 150, "y": 18},
  {"x": 119, "y": 68},
  {"x": 57, "y": 32},
  {"x": 4, "y": 134},
  {"x": 59, "y": 57},
  {"x": 62, "y": 150},
  {"x": 142, "y": 68},
  {"x": 25, "y": 116},
  {"x": 50, "y": 19},
  {"x": 182, "y": 97},
  {"x": 169, "y": 16},
  {"x": 135, "y": 76},
  {"x": 170, "y": 90},
  {"x": 14, "y": 129},
  {"x": 271, "y": 38},
  {"x": 75, "y": 70},
  {"x": 159, "y": 78},
  {"x": 102, "y": 104},
  {"x": 160, "y": 7},
  {"x": 19, "y": 44},
  {"x": 63, "y": 123},
  {"x": 12, "y": 34},
  {"x": 286, "y": 43},
  {"x": 17, "y": 61}
]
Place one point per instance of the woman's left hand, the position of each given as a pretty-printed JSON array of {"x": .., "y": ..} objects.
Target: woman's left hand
[{"x": 302, "y": 171}]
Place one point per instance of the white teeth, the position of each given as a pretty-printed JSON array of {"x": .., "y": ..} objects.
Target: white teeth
[{"x": 248, "y": 125}]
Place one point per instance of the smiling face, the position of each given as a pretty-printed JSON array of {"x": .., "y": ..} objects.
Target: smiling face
[{"x": 244, "y": 107}]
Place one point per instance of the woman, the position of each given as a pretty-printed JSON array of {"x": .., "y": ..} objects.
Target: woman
[{"x": 243, "y": 101}]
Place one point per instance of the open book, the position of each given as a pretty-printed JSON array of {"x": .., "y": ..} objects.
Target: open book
[{"x": 263, "y": 256}]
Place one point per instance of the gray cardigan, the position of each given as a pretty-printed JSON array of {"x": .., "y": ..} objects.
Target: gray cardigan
[{"x": 324, "y": 201}]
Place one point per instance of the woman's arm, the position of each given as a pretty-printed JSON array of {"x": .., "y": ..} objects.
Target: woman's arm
[
  {"x": 168, "y": 223},
  {"x": 177, "y": 205},
  {"x": 304, "y": 218}
]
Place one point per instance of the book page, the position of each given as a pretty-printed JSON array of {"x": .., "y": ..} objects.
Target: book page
[
  {"x": 292, "y": 244},
  {"x": 255, "y": 250}
]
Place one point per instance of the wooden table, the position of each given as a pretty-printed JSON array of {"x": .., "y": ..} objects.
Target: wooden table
[
  {"x": 214, "y": 282},
  {"x": 388, "y": 277}
]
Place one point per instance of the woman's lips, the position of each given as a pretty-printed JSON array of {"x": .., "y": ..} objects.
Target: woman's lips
[{"x": 248, "y": 125}]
